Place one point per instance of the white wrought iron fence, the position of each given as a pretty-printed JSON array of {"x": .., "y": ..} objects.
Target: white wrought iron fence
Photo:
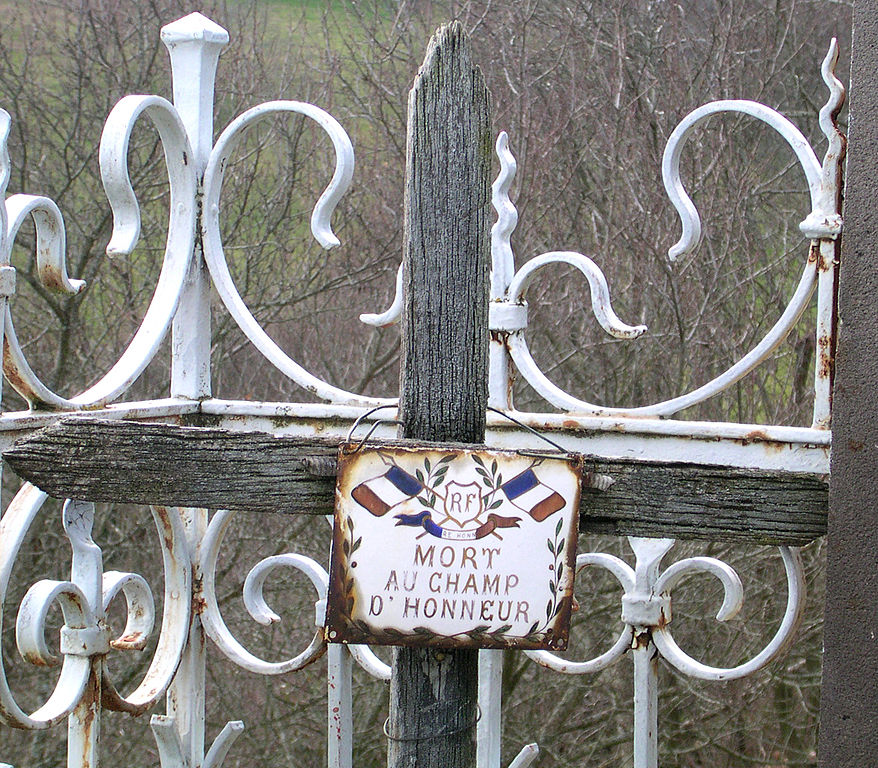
[{"x": 191, "y": 540}]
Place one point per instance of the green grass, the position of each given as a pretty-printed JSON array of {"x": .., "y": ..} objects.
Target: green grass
[{"x": 308, "y": 23}]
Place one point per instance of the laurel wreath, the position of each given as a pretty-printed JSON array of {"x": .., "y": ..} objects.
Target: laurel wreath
[{"x": 432, "y": 476}]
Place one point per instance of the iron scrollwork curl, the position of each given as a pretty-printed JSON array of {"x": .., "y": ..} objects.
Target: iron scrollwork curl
[
  {"x": 86, "y": 637},
  {"x": 51, "y": 248}
]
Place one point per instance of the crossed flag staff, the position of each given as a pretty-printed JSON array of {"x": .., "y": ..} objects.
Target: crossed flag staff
[{"x": 525, "y": 491}]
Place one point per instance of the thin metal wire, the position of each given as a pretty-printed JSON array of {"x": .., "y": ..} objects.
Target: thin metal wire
[
  {"x": 505, "y": 415},
  {"x": 467, "y": 727},
  {"x": 359, "y": 446},
  {"x": 366, "y": 415},
  {"x": 529, "y": 429}
]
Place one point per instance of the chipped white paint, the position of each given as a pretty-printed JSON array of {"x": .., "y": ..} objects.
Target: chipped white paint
[
  {"x": 126, "y": 230},
  {"x": 84, "y": 600},
  {"x": 647, "y": 616}
]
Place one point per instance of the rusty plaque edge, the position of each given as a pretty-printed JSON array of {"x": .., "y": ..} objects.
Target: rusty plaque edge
[{"x": 340, "y": 627}]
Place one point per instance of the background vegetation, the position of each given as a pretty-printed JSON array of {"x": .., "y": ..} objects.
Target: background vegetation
[{"x": 589, "y": 91}]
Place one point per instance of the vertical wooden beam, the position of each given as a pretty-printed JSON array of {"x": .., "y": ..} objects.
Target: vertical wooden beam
[
  {"x": 444, "y": 395},
  {"x": 849, "y": 705}
]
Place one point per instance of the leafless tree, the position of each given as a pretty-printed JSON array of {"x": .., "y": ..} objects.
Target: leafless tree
[{"x": 589, "y": 93}]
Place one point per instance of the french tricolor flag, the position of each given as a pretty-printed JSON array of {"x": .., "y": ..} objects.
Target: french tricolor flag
[
  {"x": 527, "y": 493},
  {"x": 381, "y": 494}
]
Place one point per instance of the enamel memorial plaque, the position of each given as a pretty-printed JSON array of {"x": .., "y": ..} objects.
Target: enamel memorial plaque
[{"x": 453, "y": 548}]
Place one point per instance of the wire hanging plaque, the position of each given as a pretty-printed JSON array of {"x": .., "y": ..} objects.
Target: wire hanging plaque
[{"x": 453, "y": 548}]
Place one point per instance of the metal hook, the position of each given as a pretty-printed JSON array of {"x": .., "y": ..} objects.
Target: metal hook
[
  {"x": 366, "y": 415},
  {"x": 359, "y": 446}
]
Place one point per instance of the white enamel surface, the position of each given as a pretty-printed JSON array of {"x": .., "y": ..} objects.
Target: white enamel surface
[
  {"x": 369, "y": 661},
  {"x": 597, "y": 283},
  {"x": 826, "y": 219},
  {"x": 645, "y": 706},
  {"x": 559, "y": 398},
  {"x": 493, "y": 560},
  {"x": 527, "y": 756},
  {"x": 502, "y": 258},
  {"x": 823, "y": 222},
  {"x": 689, "y": 218},
  {"x": 488, "y": 729},
  {"x": 172, "y": 753},
  {"x": 84, "y": 600},
  {"x": 140, "y": 608},
  {"x": 14, "y": 525},
  {"x": 647, "y": 604},
  {"x": 391, "y": 315},
  {"x": 194, "y": 44},
  {"x": 502, "y": 271},
  {"x": 51, "y": 240},
  {"x": 340, "y": 710},
  {"x": 625, "y": 576},
  {"x": 5, "y": 168},
  {"x": 174, "y": 627}
]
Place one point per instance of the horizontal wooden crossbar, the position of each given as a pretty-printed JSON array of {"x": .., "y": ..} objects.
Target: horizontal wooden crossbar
[{"x": 144, "y": 463}]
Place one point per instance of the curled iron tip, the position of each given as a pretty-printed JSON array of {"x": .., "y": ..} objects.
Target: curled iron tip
[{"x": 834, "y": 103}]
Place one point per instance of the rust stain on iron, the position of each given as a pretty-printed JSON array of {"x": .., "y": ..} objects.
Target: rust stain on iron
[
  {"x": 167, "y": 531},
  {"x": 50, "y": 278},
  {"x": 199, "y": 604},
  {"x": 825, "y": 358},
  {"x": 133, "y": 641},
  {"x": 755, "y": 436},
  {"x": 826, "y": 264},
  {"x": 38, "y": 661},
  {"x": 11, "y": 373},
  {"x": 768, "y": 444},
  {"x": 90, "y": 700}
]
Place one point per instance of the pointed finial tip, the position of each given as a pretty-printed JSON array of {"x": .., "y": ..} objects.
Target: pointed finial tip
[
  {"x": 195, "y": 26},
  {"x": 831, "y": 57}
]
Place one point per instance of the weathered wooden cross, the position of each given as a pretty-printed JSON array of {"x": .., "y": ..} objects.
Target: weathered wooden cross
[{"x": 443, "y": 400}]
